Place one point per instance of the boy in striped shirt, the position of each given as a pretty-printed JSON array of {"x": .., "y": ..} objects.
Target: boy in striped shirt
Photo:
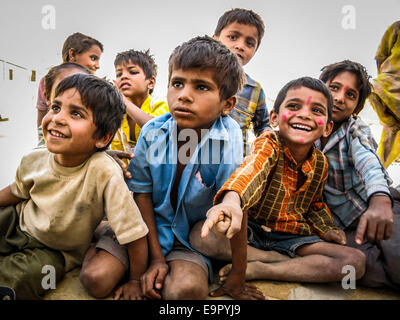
[{"x": 279, "y": 189}]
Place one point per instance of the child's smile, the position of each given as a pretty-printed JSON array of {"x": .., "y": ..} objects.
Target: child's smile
[
  {"x": 302, "y": 117},
  {"x": 68, "y": 129}
]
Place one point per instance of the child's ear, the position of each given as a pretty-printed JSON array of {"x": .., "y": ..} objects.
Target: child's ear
[
  {"x": 328, "y": 129},
  {"x": 215, "y": 37},
  {"x": 152, "y": 83},
  {"x": 228, "y": 105},
  {"x": 273, "y": 118},
  {"x": 71, "y": 55},
  {"x": 102, "y": 142}
]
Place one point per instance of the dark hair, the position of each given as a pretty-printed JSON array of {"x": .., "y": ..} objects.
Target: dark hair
[
  {"x": 207, "y": 53},
  {"x": 141, "y": 58},
  {"x": 80, "y": 43},
  {"x": 54, "y": 72},
  {"x": 242, "y": 16},
  {"x": 308, "y": 82},
  {"x": 99, "y": 96},
  {"x": 329, "y": 72}
]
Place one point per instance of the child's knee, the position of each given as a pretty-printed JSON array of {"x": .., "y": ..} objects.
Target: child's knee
[
  {"x": 95, "y": 281},
  {"x": 357, "y": 260},
  {"x": 185, "y": 289}
]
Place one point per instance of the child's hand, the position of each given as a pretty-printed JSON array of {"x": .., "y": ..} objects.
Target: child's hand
[
  {"x": 224, "y": 219},
  {"x": 238, "y": 289},
  {"x": 153, "y": 279},
  {"x": 337, "y": 236},
  {"x": 118, "y": 156},
  {"x": 377, "y": 221},
  {"x": 129, "y": 291}
]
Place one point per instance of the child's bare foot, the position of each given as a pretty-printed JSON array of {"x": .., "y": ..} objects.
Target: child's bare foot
[{"x": 251, "y": 271}]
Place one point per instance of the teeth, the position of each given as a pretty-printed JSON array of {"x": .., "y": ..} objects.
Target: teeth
[
  {"x": 301, "y": 127},
  {"x": 57, "y": 134}
]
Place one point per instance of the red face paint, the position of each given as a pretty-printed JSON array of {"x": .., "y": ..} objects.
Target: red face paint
[
  {"x": 284, "y": 117},
  {"x": 320, "y": 122},
  {"x": 302, "y": 140},
  {"x": 308, "y": 100}
]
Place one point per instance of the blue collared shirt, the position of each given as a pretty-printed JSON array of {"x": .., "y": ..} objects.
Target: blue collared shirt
[
  {"x": 355, "y": 171},
  {"x": 154, "y": 167}
]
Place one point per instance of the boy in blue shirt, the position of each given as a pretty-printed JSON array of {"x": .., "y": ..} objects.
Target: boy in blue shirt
[
  {"x": 241, "y": 31},
  {"x": 181, "y": 160}
]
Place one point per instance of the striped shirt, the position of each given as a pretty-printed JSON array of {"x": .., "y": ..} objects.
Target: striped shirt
[
  {"x": 250, "y": 111},
  {"x": 355, "y": 171},
  {"x": 267, "y": 185}
]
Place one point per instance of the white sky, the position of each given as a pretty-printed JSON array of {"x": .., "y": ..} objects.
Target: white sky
[{"x": 301, "y": 36}]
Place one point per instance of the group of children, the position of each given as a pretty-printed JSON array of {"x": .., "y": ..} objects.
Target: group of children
[{"x": 305, "y": 201}]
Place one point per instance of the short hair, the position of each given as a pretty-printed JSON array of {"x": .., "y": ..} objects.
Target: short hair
[
  {"x": 206, "y": 53},
  {"x": 143, "y": 59},
  {"x": 242, "y": 16},
  {"x": 80, "y": 43},
  {"x": 101, "y": 97},
  {"x": 54, "y": 72},
  {"x": 330, "y": 71},
  {"x": 310, "y": 83}
]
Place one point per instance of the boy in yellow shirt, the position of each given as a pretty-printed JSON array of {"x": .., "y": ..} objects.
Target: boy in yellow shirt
[{"x": 136, "y": 74}]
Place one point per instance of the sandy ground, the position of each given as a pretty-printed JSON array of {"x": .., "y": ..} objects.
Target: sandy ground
[{"x": 18, "y": 136}]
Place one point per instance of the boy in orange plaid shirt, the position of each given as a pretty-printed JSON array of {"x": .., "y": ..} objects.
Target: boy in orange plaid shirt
[{"x": 279, "y": 189}]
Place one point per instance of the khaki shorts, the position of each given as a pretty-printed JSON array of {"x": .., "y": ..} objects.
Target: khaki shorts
[{"x": 106, "y": 240}]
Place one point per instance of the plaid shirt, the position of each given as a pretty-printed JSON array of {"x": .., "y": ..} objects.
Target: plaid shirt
[
  {"x": 355, "y": 171},
  {"x": 251, "y": 111},
  {"x": 267, "y": 184}
]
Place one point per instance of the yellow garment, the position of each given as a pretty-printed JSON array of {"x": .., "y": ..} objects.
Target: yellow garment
[
  {"x": 385, "y": 96},
  {"x": 122, "y": 141}
]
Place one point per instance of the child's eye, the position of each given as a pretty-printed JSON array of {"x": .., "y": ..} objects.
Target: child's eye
[
  {"x": 250, "y": 44},
  {"x": 94, "y": 58},
  {"x": 333, "y": 87},
  {"x": 203, "y": 87},
  {"x": 177, "y": 84},
  {"x": 76, "y": 114},
  {"x": 232, "y": 37},
  {"x": 318, "y": 110},
  {"x": 292, "y": 106},
  {"x": 55, "y": 108},
  {"x": 351, "y": 95},
  {"x": 133, "y": 72},
  {"x": 118, "y": 75}
]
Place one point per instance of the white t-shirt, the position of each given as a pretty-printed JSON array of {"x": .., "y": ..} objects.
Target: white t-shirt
[{"x": 64, "y": 205}]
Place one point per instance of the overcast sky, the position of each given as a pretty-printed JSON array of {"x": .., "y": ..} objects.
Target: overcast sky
[{"x": 301, "y": 35}]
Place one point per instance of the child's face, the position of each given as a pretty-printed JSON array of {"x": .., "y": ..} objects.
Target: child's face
[
  {"x": 302, "y": 117},
  {"x": 131, "y": 80},
  {"x": 194, "y": 98},
  {"x": 345, "y": 95},
  {"x": 89, "y": 59},
  {"x": 241, "y": 39},
  {"x": 68, "y": 129}
]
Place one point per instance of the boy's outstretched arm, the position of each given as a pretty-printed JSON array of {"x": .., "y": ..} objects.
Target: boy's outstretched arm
[
  {"x": 153, "y": 279},
  {"x": 7, "y": 198},
  {"x": 138, "y": 253},
  {"x": 377, "y": 221},
  {"x": 225, "y": 219},
  {"x": 235, "y": 284}
]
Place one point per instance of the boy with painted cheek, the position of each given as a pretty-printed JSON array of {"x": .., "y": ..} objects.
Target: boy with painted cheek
[
  {"x": 358, "y": 191},
  {"x": 279, "y": 189}
]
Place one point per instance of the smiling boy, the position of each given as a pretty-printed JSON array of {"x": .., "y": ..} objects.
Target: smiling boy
[
  {"x": 278, "y": 189},
  {"x": 62, "y": 192}
]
